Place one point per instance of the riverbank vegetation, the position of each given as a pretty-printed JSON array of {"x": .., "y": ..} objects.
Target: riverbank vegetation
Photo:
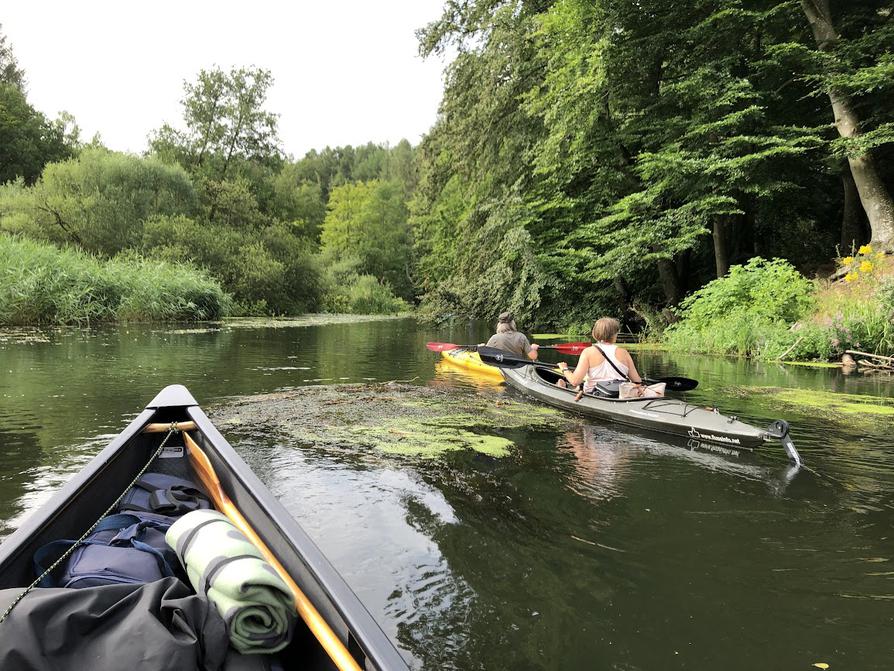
[
  {"x": 65, "y": 286},
  {"x": 766, "y": 309},
  {"x": 589, "y": 157}
]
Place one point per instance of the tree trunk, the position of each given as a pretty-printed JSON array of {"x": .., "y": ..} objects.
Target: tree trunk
[
  {"x": 670, "y": 283},
  {"x": 874, "y": 195},
  {"x": 852, "y": 216},
  {"x": 681, "y": 267},
  {"x": 745, "y": 235},
  {"x": 721, "y": 255},
  {"x": 223, "y": 174}
]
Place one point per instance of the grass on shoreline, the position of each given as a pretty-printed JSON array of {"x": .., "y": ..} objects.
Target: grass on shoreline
[{"x": 41, "y": 284}]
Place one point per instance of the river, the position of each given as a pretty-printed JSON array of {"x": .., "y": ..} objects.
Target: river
[{"x": 587, "y": 547}]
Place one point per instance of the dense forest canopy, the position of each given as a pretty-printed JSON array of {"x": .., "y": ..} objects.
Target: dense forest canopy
[
  {"x": 638, "y": 148},
  {"x": 589, "y": 156}
]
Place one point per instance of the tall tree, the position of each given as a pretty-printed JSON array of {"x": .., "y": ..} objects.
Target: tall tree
[
  {"x": 28, "y": 140},
  {"x": 367, "y": 221},
  {"x": 10, "y": 72},
  {"x": 841, "y": 81},
  {"x": 225, "y": 122},
  {"x": 226, "y": 125}
]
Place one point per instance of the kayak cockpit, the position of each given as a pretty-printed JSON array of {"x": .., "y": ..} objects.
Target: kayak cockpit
[{"x": 551, "y": 377}]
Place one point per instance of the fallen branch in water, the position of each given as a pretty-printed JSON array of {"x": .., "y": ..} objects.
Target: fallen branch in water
[
  {"x": 794, "y": 345},
  {"x": 881, "y": 363},
  {"x": 874, "y": 356}
]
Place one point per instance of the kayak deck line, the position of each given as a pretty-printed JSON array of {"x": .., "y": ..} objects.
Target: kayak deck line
[{"x": 663, "y": 414}]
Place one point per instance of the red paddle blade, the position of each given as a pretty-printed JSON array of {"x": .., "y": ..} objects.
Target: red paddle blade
[
  {"x": 442, "y": 346},
  {"x": 570, "y": 347}
]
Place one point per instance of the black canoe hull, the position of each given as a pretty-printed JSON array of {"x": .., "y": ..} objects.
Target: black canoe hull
[
  {"x": 664, "y": 415},
  {"x": 91, "y": 491}
]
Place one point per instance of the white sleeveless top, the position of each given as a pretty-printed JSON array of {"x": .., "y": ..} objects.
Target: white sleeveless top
[{"x": 604, "y": 371}]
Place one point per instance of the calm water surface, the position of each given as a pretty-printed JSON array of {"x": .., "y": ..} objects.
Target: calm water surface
[{"x": 585, "y": 548}]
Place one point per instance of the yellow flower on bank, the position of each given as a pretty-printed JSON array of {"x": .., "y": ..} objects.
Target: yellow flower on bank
[
  {"x": 850, "y": 277},
  {"x": 865, "y": 249},
  {"x": 847, "y": 260},
  {"x": 866, "y": 266}
]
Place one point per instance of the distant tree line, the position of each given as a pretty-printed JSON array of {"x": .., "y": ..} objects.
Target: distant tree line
[
  {"x": 216, "y": 192},
  {"x": 589, "y": 156}
]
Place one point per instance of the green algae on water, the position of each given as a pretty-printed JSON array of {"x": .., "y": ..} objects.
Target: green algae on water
[
  {"x": 422, "y": 440},
  {"x": 393, "y": 418},
  {"x": 856, "y": 406},
  {"x": 311, "y": 319},
  {"x": 845, "y": 404},
  {"x": 812, "y": 364}
]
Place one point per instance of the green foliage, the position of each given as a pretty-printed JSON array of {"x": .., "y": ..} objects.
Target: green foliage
[
  {"x": 771, "y": 289},
  {"x": 495, "y": 269},
  {"x": 28, "y": 140},
  {"x": 40, "y": 284},
  {"x": 271, "y": 271},
  {"x": 343, "y": 165},
  {"x": 10, "y": 72},
  {"x": 745, "y": 311},
  {"x": 644, "y": 140},
  {"x": 856, "y": 316},
  {"x": 367, "y": 221},
  {"x": 97, "y": 201},
  {"x": 347, "y": 290},
  {"x": 225, "y": 122},
  {"x": 792, "y": 322},
  {"x": 299, "y": 202},
  {"x": 435, "y": 227}
]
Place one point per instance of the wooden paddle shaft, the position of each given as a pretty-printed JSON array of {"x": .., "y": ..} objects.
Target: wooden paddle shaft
[{"x": 318, "y": 626}]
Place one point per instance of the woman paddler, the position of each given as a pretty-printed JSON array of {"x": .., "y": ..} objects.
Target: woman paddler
[{"x": 604, "y": 361}]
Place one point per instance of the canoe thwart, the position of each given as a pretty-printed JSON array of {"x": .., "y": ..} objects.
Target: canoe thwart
[{"x": 161, "y": 427}]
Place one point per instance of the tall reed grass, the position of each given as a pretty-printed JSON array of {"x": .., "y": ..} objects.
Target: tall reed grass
[{"x": 42, "y": 284}]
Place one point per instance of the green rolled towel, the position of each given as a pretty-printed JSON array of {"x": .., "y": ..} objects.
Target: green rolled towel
[{"x": 223, "y": 564}]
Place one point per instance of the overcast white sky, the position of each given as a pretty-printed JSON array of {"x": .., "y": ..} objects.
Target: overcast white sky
[{"x": 345, "y": 71}]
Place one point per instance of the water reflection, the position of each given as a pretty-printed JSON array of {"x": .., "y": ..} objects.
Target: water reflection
[
  {"x": 378, "y": 526},
  {"x": 602, "y": 459},
  {"x": 449, "y": 375},
  {"x": 586, "y": 547},
  {"x": 20, "y": 456},
  {"x": 600, "y": 463}
]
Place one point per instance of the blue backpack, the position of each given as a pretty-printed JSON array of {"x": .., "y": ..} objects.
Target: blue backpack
[{"x": 124, "y": 548}]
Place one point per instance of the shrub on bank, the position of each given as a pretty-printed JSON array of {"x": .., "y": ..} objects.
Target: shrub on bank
[
  {"x": 41, "y": 284},
  {"x": 766, "y": 309},
  {"x": 268, "y": 270},
  {"x": 748, "y": 312},
  {"x": 349, "y": 291}
]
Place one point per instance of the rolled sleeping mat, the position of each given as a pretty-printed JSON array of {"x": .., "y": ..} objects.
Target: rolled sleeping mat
[{"x": 223, "y": 564}]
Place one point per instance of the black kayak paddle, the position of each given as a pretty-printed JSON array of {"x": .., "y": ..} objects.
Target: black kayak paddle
[{"x": 502, "y": 359}]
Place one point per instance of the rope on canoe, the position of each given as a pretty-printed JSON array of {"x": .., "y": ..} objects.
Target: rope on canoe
[{"x": 171, "y": 431}]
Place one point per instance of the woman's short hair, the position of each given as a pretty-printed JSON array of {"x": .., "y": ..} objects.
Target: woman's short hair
[{"x": 605, "y": 329}]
